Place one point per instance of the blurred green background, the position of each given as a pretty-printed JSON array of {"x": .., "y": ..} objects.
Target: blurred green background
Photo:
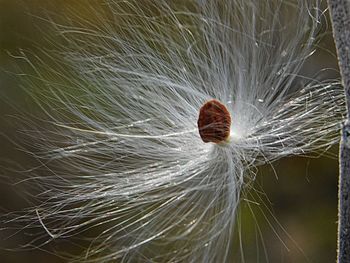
[{"x": 298, "y": 220}]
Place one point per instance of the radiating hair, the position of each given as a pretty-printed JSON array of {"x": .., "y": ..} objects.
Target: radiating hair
[{"x": 120, "y": 149}]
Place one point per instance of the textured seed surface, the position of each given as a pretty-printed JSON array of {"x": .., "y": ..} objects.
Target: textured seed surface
[{"x": 214, "y": 122}]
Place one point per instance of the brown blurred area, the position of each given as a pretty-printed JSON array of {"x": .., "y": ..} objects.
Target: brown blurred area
[{"x": 295, "y": 210}]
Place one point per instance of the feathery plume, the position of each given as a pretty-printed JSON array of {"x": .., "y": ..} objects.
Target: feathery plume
[{"x": 121, "y": 151}]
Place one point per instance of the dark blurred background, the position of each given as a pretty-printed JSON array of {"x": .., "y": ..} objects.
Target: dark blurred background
[{"x": 297, "y": 222}]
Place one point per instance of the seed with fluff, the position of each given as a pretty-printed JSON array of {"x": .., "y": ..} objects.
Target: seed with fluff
[
  {"x": 119, "y": 151},
  {"x": 214, "y": 122}
]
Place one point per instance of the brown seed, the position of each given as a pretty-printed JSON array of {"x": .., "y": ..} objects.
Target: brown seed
[{"x": 214, "y": 122}]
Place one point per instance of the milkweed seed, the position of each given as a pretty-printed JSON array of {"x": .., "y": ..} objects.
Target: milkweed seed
[{"x": 214, "y": 122}]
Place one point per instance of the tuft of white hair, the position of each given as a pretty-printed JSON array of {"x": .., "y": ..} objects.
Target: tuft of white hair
[{"x": 120, "y": 150}]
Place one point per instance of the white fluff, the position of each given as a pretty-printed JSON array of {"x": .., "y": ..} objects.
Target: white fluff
[{"x": 121, "y": 151}]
